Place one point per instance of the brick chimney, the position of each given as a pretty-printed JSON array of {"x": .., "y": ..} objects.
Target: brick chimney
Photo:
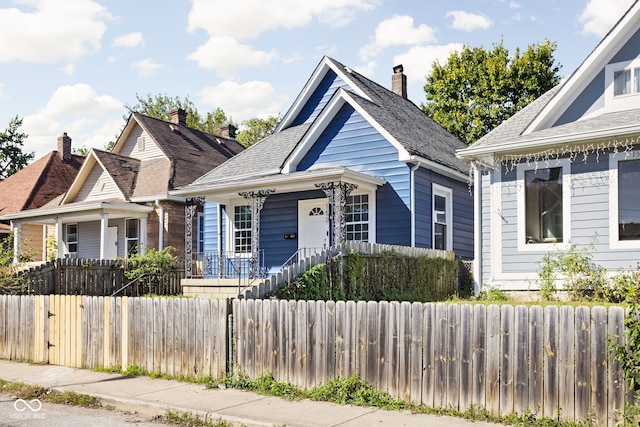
[
  {"x": 178, "y": 116},
  {"x": 399, "y": 81},
  {"x": 228, "y": 131},
  {"x": 64, "y": 147}
]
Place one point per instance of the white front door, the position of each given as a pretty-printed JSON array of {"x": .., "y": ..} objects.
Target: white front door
[
  {"x": 313, "y": 224},
  {"x": 111, "y": 248}
]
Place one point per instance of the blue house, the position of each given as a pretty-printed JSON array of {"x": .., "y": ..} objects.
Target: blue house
[
  {"x": 350, "y": 161},
  {"x": 564, "y": 171}
]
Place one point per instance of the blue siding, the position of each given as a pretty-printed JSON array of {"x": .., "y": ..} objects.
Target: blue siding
[
  {"x": 462, "y": 212},
  {"x": 325, "y": 90},
  {"x": 350, "y": 141},
  {"x": 211, "y": 227},
  {"x": 279, "y": 216}
]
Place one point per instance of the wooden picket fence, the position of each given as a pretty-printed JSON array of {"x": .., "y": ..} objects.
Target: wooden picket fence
[{"x": 552, "y": 361}]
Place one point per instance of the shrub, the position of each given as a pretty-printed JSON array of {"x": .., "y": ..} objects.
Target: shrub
[{"x": 152, "y": 267}]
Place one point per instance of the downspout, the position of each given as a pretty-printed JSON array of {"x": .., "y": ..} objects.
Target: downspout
[
  {"x": 477, "y": 232},
  {"x": 160, "y": 225},
  {"x": 414, "y": 168}
]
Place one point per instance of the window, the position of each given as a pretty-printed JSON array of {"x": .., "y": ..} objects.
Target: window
[
  {"x": 200, "y": 247},
  {"x": 131, "y": 235},
  {"x": 441, "y": 218},
  {"x": 357, "y": 218},
  {"x": 242, "y": 227},
  {"x": 626, "y": 81},
  {"x": 629, "y": 200},
  {"x": 72, "y": 238},
  {"x": 543, "y": 205}
]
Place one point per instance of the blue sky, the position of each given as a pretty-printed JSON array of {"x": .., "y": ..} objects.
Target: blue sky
[{"x": 72, "y": 65}]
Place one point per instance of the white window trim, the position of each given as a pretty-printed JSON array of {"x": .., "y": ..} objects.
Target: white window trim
[
  {"x": 620, "y": 102},
  {"x": 372, "y": 213},
  {"x": 566, "y": 206},
  {"x": 231, "y": 227},
  {"x": 68, "y": 242},
  {"x": 447, "y": 193},
  {"x": 614, "y": 158},
  {"x": 200, "y": 223}
]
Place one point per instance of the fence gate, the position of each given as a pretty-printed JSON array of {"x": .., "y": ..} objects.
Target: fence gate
[{"x": 64, "y": 321}]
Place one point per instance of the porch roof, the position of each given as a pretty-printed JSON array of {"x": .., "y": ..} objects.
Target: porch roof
[
  {"x": 282, "y": 183},
  {"x": 80, "y": 212}
]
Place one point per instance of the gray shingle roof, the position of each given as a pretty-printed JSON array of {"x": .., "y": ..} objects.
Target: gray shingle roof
[
  {"x": 418, "y": 133},
  {"x": 124, "y": 170}
]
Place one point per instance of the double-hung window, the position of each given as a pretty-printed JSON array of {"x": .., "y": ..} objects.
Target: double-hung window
[
  {"x": 357, "y": 218},
  {"x": 72, "y": 239},
  {"x": 131, "y": 230},
  {"x": 442, "y": 218},
  {"x": 200, "y": 247},
  {"x": 242, "y": 229}
]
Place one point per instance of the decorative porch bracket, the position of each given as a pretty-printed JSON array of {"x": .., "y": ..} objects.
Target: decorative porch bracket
[
  {"x": 190, "y": 209},
  {"x": 337, "y": 193},
  {"x": 256, "y": 202}
]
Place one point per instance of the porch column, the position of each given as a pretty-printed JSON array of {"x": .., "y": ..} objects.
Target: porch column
[
  {"x": 16, "y": 229},
  {"x": 142, "y": 236},
  {"x": 104, "y": 227},
  {"x": 337, "y": 193},
  {"x": 190, "y": 210},
  {"x": 256, "y": 202},
  {"x": 59, "y": 238}
]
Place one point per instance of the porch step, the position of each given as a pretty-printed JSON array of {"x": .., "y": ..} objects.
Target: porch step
[{"x": 212, "y": 288}]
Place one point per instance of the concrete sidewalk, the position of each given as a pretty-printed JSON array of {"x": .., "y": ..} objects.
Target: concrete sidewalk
[{"x": 155, "y": 396}]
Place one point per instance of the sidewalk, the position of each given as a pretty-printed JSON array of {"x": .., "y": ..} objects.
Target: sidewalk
[{"x": 155, "y": 396}]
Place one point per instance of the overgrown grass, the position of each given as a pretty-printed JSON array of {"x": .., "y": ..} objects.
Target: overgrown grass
[
  {"x": 357, "y": 392},
  {"x": 30, "y": 392},
  {"x": 137, "y": 371},
  {"x": 188, "y": 419}
]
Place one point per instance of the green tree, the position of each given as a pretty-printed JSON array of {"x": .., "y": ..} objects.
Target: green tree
[
  {"x": 160, "y": 105},
  {"x": 255, "y": 129},
  {"x": 477, "y": 89},
  {"x": 12, "y": 158}
]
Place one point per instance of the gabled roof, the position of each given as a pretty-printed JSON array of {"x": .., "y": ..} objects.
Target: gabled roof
[
  {"x": 192, "y": 153},
  {"x": 38, "y": 183},
  {"x": 535, "y": 127},
  {"x": 123, "y": 170},
  {"x": 400, "y": 120}
]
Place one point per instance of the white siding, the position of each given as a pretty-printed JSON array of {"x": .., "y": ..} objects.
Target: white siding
[
  {"x": 98, "y": 186},
  {"x": 131, "y": 148}
]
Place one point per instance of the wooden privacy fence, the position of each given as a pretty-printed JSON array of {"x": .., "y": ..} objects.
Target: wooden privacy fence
[
  {"x": 76, "y": 276},
  {"x": 551, "y": 361},
  {"x": 174, "y": 336}
]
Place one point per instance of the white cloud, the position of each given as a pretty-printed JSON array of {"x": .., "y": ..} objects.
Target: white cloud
[
  {"x": 368, "y": 70},
  {"x": 250, "y": 18},
  {"x": 69, "y": 69},
  {"x": 58, "y": 30},
  {"x": 599, "y": 16},
  {"x": 128, "y": 40},
  {"x": 418, "y": 61},
  {"x": 398, "y": 30},
  {"x": 241, "y": 101},
  {"x": 468, "y": 21},
  {"x": 226, "y": 55},
  {"x": 146, "y": 67},
  {"x": 79, "y": 100},
  {"x": 90, "y": 119}
]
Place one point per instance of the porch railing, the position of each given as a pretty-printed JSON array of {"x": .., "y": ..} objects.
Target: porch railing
[
  {"x": 228, "y": 265},
  {"x": 301, "y": 254}
]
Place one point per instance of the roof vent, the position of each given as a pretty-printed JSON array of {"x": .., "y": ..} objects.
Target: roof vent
[{"x": 174, "y": 128}]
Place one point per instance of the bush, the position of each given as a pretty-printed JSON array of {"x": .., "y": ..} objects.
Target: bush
[{"x": 152, "y": 267}]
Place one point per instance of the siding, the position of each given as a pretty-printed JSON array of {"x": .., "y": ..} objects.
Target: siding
[
  {"x": 590, "y": 188},
  {"x": 211, "y": 227},
  {"x": 92, "y": 187},
  {"x": 321, "y": 95},
  {"x": 89, "y": 240},
  {"x": 278, "y": 217},
  {"x": 462, "y": 212},
  {"x": 350, "y": 141},
  {"x": 487, "y": 177},
  {"x": 130, "y": 147}
]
